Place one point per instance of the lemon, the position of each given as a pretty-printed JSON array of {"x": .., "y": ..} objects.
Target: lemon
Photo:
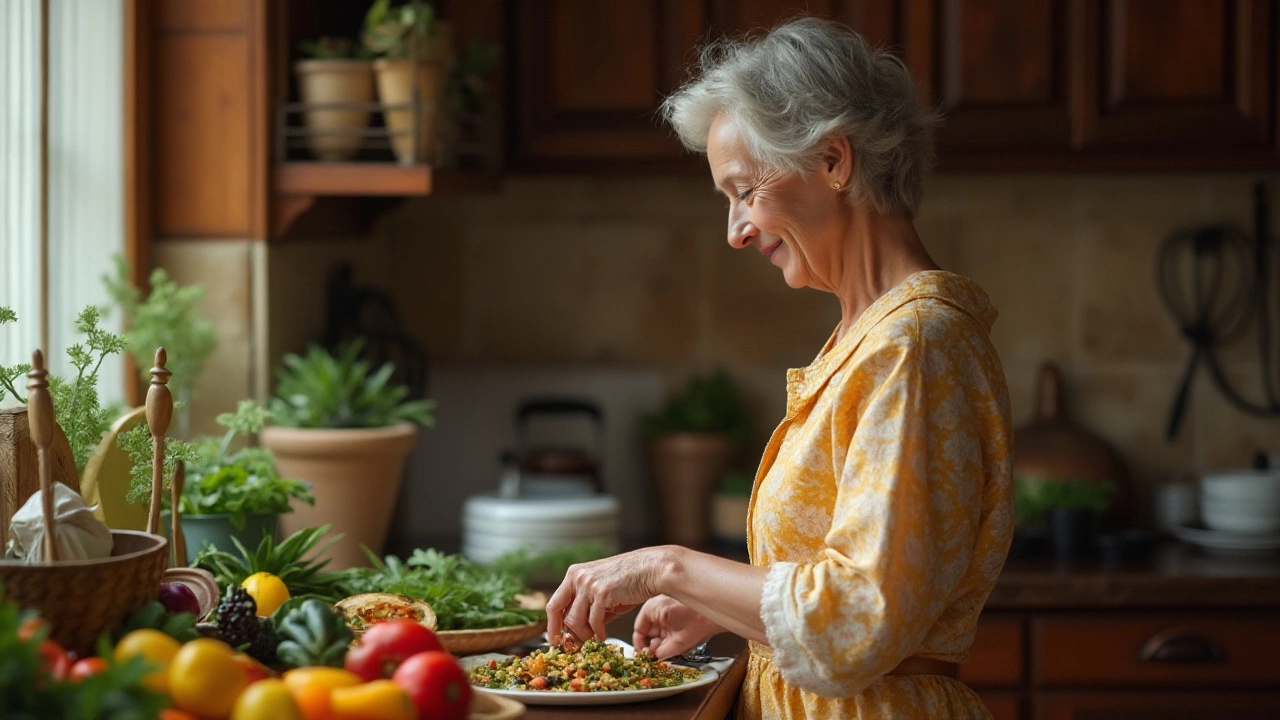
[{"x": 267, "y": 590}]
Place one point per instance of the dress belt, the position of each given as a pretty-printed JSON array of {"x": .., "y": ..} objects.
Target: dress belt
[{"x": 910, "y": 666}]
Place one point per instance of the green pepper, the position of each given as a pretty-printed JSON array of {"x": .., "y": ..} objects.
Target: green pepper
[{"x": 313, "y": 634}]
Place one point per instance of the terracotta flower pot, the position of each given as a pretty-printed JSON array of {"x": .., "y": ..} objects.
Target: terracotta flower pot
[
  {"x": 335, "y": 81},
  {"x": 396, "y": 80},
  {"x": 355, "y": 476},
  {"x": 686, "y": 468}
]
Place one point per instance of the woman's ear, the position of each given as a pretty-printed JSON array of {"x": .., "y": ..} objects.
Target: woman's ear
[{"x": 837, "y": 161}]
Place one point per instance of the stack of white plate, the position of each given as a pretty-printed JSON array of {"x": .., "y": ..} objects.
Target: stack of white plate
[
  {"x": 493, "y": 526},
  {"x": 1241, "y": 501}
]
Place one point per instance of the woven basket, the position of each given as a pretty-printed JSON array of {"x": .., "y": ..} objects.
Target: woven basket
[
  {"x": 81, "y": 599},
  {"x": 468, "y": 642}
]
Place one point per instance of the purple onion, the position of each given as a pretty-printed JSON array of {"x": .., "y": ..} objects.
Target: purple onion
[{"x": 178, "y": 598}]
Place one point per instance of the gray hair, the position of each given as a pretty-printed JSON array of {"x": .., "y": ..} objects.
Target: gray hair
[{"x": 805, "y": 81}]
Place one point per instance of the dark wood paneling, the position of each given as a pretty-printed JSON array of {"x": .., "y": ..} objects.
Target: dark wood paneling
[
  {"x": 1003, "y": 706},
  {"x": 203, "y": 15},
  {"x": 1194, "y": 77},
  {"x": 879, "y": 21},
  {"x": 997, "y": 655}
]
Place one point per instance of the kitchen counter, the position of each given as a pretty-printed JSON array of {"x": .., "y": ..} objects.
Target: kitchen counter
[{"x": 1175, "y": 575}]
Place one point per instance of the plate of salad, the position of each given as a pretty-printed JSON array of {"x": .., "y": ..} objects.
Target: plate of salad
[{"x": 597, "y": 673}]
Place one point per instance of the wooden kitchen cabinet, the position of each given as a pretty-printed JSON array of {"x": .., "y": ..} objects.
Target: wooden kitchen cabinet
[
  {"x": 1164, "y": 706},
  {"x": 1023, "y": 84}
]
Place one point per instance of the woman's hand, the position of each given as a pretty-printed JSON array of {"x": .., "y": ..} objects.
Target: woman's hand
[
  {"x": 594, "y": 593},
  {"x": 669, "y": 627}
]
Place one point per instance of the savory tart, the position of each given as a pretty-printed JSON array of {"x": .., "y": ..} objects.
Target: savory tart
[{"x": 366, "y": 609}]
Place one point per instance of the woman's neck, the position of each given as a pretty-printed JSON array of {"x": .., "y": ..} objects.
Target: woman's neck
[{"x": 880, "y": 252}]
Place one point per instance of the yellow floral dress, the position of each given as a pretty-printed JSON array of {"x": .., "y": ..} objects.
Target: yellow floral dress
[{"x": 883, "y": 509}]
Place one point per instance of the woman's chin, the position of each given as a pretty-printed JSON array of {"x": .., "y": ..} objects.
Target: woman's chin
[{"x": 792, "y": 278}]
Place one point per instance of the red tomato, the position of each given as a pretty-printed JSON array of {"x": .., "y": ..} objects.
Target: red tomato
[
  {"x": 86, "y": 667},
  {"x": 56, "y": 661},
  {"x": 253, "y": 670},
  {"x": 387, "y": 644},
  {"x": 436, "y": 684}
]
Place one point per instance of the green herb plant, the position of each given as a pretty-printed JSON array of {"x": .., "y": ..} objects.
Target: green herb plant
[
  {"x": 526, "y": 563},
  {"x": 463, "y": 594},
  {"x": 219, "y": 482},
  {"x": 333, "y": 48},
  {"x": 153, "y": 616},
  {"x": 736, "y": 483},
  {"x": 321, "y": 390},
  {"x": 167, "y": 317},
  {"x": 390, "y": 31},
  {"x": 1033, "y": 497},
  {"x": 293, "y": 561},
  {"x": 28, "y": 692},
  {"x": 76, "y": 405},
  {"x": 708, "y": 404},
  {"x": 466, "y": 90}
]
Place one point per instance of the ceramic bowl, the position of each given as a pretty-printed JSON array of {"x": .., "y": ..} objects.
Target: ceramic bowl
[{"x": 1258, "y": 487}]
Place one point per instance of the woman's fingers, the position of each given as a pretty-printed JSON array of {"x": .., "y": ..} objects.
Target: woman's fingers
[
  {"x": 578, "y": 618},
  {"x": 560, "y": 600}
]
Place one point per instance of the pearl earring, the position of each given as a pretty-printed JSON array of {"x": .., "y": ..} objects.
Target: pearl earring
[{"x": 836, "y": 185}]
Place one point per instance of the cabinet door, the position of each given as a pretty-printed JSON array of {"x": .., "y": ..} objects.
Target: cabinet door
[
  {"x": 1179, "y": 81},
  {"x": 590, "y": 74},
  {"x": 879, "y": 21},
  {"x": 999, "y": 72},
  {"x": 1157, "y": 706}
]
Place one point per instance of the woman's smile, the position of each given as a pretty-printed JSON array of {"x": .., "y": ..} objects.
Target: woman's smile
[{"x": 769, "y": 250}]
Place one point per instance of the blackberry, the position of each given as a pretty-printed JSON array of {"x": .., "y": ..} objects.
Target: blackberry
[
  {"x": 263, "y": 647},
  {"x": 238, "y": 623}
]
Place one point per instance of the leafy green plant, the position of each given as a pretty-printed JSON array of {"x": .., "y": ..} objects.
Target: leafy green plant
[
  {"x": 153, "y": 616},
  {"x": 708, "y": 404},
  {"x": 466, "y": 89},
  {"x": 167, "y": 317},
  {"x": 526, "y": 562},
  {"x": 333, "y": 48},
  {"x": 293, "y": 561},
  {"x": 390, "y": 31},
  {"x": 320, "y": 390},
  {"x": 76, "y": 405},
  {"x": 736, "y": 483},
  {"x": 463, "y": 594},
  {"x": 28, "y": 692},
  {"x": 1034, "y": 497},
  {"x": 312, "y": 634},
  {"x": 218, "y": 481}
]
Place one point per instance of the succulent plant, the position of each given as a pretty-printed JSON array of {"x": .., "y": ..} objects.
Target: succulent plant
[{"x": 321, "y": 390}]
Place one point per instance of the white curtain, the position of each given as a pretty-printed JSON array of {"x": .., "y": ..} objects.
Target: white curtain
[{"x": 86, "y": 171}]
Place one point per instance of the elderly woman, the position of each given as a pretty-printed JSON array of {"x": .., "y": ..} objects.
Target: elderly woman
[{"x": 882, "y": 509}]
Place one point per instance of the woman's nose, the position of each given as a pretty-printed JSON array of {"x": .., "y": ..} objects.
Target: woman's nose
[{"x": 741, "y": 231}]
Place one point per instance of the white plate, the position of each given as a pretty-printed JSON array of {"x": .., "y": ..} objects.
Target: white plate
[
  {"x": 1220, "y": 540},
  {"x": 609, "y": 697}
]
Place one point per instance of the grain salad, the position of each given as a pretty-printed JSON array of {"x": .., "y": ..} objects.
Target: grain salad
[{"x": 596, "y": 667}]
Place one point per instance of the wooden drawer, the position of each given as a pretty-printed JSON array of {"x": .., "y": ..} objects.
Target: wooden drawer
[
  {"x": 996, "y": 656},
  {"x": 1003, "y": 705},
  {"x": 1111, "y": 650},
  {"x": 1167, "y": 705}
]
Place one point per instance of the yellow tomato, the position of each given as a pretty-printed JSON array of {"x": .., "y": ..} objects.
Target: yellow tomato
[
  {"x": 266, "y": 700},
  {"x": 323, "y": 676},
  {"x": 377, "y": 700},
  {"x": 315, "y": 702},
  {"x": 267, "y": 590},
  {"x": 154, "y": 646},
  {"x": 205, "y": 679}
]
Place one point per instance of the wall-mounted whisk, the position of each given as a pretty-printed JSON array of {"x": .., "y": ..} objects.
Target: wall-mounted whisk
[{"x": 1214, "y": 280}]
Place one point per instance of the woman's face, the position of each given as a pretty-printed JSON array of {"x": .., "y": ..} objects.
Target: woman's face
[{"x": 794, "y": 221}]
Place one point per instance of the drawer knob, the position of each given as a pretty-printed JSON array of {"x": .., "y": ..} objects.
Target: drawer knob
[{"x": 1180, "y": 646}]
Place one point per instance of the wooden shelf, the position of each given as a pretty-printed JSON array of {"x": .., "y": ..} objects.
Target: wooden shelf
[{"x": 299, "y": 184}]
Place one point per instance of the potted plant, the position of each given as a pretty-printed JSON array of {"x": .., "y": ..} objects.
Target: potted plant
[
  {"x": 469, "y": 135},
  {"x": 692, "y": 441},
  {"x": 226, "y": 495},
  {"x": 413, "y": 51},
  {"x": 347, "y": 430},
  {"x": 729, "y": 507},
  {"x": 1070, "y": 509},
  {"x": 336, "y": 71}
]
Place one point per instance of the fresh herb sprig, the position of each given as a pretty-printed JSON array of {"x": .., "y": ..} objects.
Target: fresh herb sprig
[
  {"x": 77, "y": 407},
  {"x": 463, "y": 594},
  {"x": 219, "y": 481},
  {"x": 294, "y": 561}
]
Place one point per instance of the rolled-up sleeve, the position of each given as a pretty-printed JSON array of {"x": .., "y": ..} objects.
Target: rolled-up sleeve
[{"x": 906, "y": 452}]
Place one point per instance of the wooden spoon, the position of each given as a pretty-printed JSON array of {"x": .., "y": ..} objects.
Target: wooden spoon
[{"x": 40, "y": 422}]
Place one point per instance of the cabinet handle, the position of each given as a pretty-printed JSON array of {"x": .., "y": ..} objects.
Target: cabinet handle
[{"x": 1180, "y": 646}]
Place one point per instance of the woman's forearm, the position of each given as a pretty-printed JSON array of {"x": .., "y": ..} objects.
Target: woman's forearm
[{"x": 723, "y": 591}]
